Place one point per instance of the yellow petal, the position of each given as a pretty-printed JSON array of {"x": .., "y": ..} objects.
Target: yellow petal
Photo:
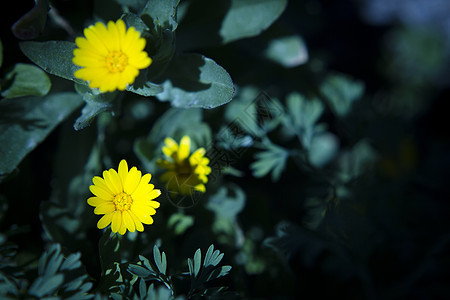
[
  {"x": 112, "y": 180},
  {"x": 200, "y": 187},
  {"x": 143, "y": 186},
  {"x": 123, "y": 171},
  {"x": 170, "y": 146},
  {"x": 122, "y": 229},
  {"x": 185, "y": 145},
  {"x": 133, "y": 179},
  {"x": 91, "y": 34},
  {"x": 104, "y": 221},
  {"x": 138, "y": 223},
  {"x": 114, "y": 42},
  {"x": 142, "y": 215},
  {"x": 154, "y": 194},
  {"x": 154, "y": 204},
  {"x": 116, "y": 221},
  {"x": 100, "y": 182},
  {"x": 130, "y": 39},
  {"x": 96, "y": 201},
  {"x": 146, "y": 209},
  {"x": 101, "y": 193},
  {"x": 128, "y": 221},
  {"x": 105, "y": 208}
]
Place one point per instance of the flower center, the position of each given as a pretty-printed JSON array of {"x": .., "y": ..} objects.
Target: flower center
[
  {"x": 123, "y": 201},
  {"x": 116, "y": 61},
  {"x": 184, "y": 168}
]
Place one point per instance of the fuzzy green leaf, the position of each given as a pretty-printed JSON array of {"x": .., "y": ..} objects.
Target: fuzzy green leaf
[
  {"x": 26, "y": 123},
  {"x": 162, "y": 12},
  {"x": 341, "y": 91},
  {"x": 289, "y": 51},
  {"x": 55, "y": 57},
  {"x": 196, "y": 81},
  {"x": 27, "y": 80},
  {"x": 247, "y": 18}
]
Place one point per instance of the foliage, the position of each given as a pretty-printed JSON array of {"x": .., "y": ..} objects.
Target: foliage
[{"x": 322, "y": 129}]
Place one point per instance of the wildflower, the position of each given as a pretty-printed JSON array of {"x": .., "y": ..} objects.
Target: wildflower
[
  {"x": 125, "y": 198},
  {"x": 110, "y": 56},
  {"x": 184, "y": 173}
]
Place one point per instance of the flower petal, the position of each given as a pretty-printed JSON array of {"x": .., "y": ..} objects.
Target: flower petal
[
  {"x": 185, "y": 145},
  {"x": 96, "y": 201},
  {"x": 128, "y": 221},
  {"x": 142, "y": 215},
  {"x": 101, "y": 193},
  {"x": 105, "y": 221},
  {"x": 170, "y": 147},
  {"x": 123, "y": 171},
  {"x": 132, "y": 182},
  {"x": 139, "y": 226},
  {"x": 112, "y": 180},
  {"x": 116, "y": 221},
  {"x": 105, "y": 208}
]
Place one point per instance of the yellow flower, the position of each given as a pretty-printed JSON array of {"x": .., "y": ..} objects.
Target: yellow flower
[
  {"x": 184, "y": 173},
  {"x": 125, "y": 198},
  {"x": 111, "y": 56}
]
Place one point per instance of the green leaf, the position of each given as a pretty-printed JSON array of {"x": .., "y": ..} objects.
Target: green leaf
[
  {"x": 46, "y": 286},
  {"x": 26, "y": 123},
  {"x": 302, "y": 117},
  {"x": 208, "y": 255},
  {"x": 55, "y": 57},
  {"x": 140, "y": 271},
  {"x": 197, "y": 261},
  {"x": 96, "y": 103},
  {"x": 143, "y": 87},
  {"x": 162, "y": 12},
  {"x": 289, "y": 51},
  {"x": 216, "y": 273},
  {"x": 60, "y": 276},
  {"x": 324, "y": 147},
  {"x": 341, "y": 91},
  {"x": 247, "y": 18},
  {"x": 356, "y": 161},
  {"x": 272, "y": 160},
  {"x": 228, "y": 202},
  {"x": 160, "y": 259},
  {"x": 180, "y": 222},
  {"x": 196, "y": 81},
  {"x": 27, "y": 80}
]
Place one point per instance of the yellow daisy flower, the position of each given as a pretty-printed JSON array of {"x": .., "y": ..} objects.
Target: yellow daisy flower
[
  {"x": 125, "y": 198},
  {"x": 185, "y": 172},
  {"x": 110, "y": 56}
]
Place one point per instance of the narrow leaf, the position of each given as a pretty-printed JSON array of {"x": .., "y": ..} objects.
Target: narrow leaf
[
  {"x": 197, "y": 261},
  {"x": 208, "y": 256}
]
